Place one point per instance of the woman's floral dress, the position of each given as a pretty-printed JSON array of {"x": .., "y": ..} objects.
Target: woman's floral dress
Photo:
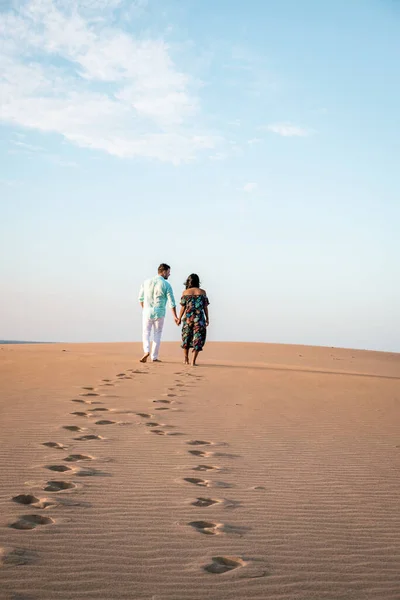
[{"x": 194, "y": 328}]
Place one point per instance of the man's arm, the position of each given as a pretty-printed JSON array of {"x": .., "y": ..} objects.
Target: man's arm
[
  {"x": 141, "y": 295},
  {"x": 171, "y": 301}
]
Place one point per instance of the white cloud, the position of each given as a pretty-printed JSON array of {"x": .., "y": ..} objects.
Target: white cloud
[
  {"x": 253, "y": 141},
  {"x": 289, "y": 130},
  {"x": 250, "y": 187},
  {"x": 68, "y": 71}
]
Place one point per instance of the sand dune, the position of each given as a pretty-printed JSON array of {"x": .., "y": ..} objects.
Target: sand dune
[{"x": 266, "y": 472}]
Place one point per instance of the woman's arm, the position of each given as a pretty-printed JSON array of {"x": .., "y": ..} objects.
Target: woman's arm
[
  {"x": 206, "y": 313},
  {"x": 183, "y": 310}
]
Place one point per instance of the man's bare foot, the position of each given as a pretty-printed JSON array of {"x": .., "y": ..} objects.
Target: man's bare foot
[
  {"x": 186, "y": 361},
  {"x": 145, "y": 357},
  {"x": 156, "y": 360}
]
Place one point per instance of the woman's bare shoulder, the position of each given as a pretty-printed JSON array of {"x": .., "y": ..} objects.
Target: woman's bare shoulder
[{"x": 203, "y": 292}]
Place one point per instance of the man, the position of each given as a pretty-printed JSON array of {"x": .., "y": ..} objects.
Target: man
[{"x": 153, "y": 297}]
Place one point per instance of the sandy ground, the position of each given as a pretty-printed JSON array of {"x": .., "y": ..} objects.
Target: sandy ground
[{"x": 267, "y": 472}]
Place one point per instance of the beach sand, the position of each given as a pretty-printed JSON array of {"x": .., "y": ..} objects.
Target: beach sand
[{"x": 267, "y": 472}]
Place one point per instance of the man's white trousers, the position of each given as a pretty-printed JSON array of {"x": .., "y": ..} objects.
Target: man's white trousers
[{"x": 155, "y": 325}]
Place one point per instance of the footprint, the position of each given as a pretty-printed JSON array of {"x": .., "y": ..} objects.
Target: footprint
[
  {"x": 90, "y": 436},
  {"x": 29, "y": 499},
  {"x": 198, "y": 443},
  {"x": 169, "y": 433},
  {"x": 162, "y": 408},
  {"x": 163, "y": 401},
  {"x": 226, "y": 455},
  {"x": 77, "y": 457},
  {"x": 144, "y": 415},
  {"x": 89, "y": 472},
  {"x": 91, "y": 389},
  {"x": 121, "y": 374},
  {"x": 153, "y": 424},
  {"x": 204, "y": 502},
  {"x": 108, "y": 384},
  {"x": 98, "y": 410},
  {"x": 223, "y": 484},
  {"x": 17, "y": 557},
  {"x": 107, "y": 380},
  {"x": 197, "y": 481},
  {"x": 105, "y": 422},
  {"x": 207, "y": 527},
  {"x": 201, "y": 453},
  {"x": 170, "y": 395},
  {"x": 31, "y": 521},
  {"x": 58, "y": 486},
  {"x": 74, "y": 428},
  {"x": 91, "y": 394},
  {"x": 55, "y": 445},
  {"x": 58, "y": 468},
  {"x": 86, "y": 401},
  {"x": 78, "y": 413},
  {"x": 223, "y": 564},
  {"x": 206, "y": 468}
]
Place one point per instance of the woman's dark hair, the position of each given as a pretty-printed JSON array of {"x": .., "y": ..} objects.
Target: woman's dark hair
[{"x": 192, "y": 281}]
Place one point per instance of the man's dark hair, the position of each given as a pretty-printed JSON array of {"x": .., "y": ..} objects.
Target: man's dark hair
[
  {"x": 192, "y": 281},
  {"x": 163, "y": 267}
]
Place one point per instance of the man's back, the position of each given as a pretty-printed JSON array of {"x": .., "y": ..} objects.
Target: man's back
[{"x": 154, "y": 294}]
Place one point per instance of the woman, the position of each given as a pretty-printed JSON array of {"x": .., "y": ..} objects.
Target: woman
[{"x": 194, "y": 314}]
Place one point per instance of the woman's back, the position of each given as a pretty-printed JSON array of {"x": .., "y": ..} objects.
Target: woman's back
[{"x": 194, "y": 291}]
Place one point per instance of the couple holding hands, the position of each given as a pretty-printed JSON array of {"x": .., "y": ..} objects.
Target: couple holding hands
[{"x": 153, "y": 297}]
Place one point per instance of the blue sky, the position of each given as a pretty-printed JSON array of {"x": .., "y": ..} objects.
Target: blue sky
[{"x": 255, "y": 143}]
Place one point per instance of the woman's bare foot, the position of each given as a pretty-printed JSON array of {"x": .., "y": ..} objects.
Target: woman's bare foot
[{"x": 145, "y": 357}]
